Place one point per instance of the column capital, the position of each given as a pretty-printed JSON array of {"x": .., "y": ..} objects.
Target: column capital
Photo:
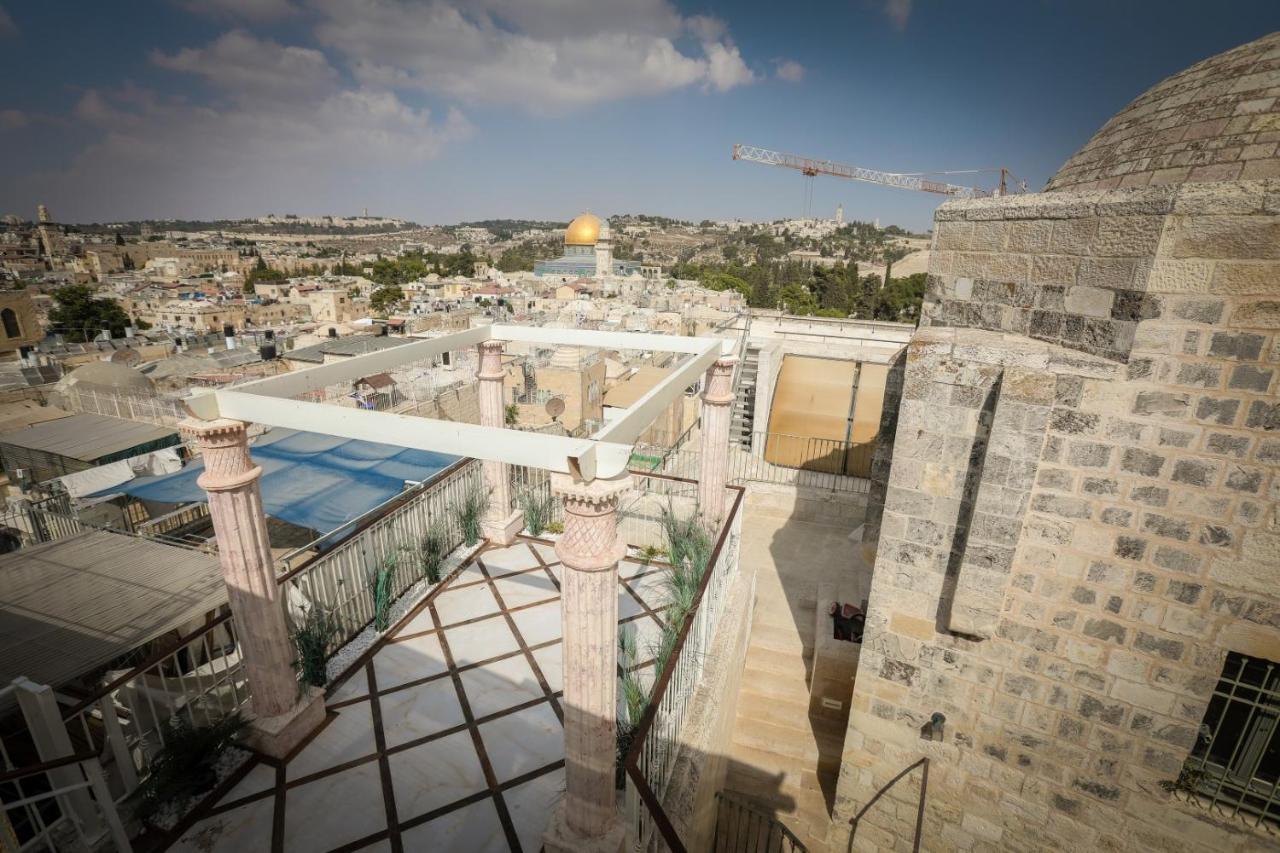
[
  {"x": 490, "y": 359},
  {"x": 717, "y": 387},
  {"x": 224, "y": 446},
  {"x": 590, "y": 542}
]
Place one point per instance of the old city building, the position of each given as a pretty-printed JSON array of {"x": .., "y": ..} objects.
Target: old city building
[{"x": 1074, "y": 614}]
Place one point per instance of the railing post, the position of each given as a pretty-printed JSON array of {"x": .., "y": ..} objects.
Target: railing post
[
  {"x": 501, "y": 524},
  {"x": 93, "y": 772},
  {"x": 120, "y": 752},
  {"x": 282, "y": 715},
  {"x": 717, "y": 400},
  {"x": 49, "y": 732},
  {"x": 589, "y": 550}
]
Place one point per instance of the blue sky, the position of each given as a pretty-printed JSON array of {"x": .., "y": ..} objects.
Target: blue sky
[{"x": 541, "y": 108}]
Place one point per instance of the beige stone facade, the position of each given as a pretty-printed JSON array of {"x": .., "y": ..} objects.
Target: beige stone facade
[
  {"x": 1075, "y": 522},
  {"x": 19, "y": 325}
]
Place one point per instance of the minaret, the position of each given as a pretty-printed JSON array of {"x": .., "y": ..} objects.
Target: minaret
[
  {"x": 604, "y": 251},
  {"x": 839, "y": 215},
  {"x": 50, "y": 234}
]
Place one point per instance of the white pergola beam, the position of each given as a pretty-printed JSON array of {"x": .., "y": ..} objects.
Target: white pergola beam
[
  {"x": 606, "y": 454},
  {"x": 640, "y": 414},
  {"x": 600, "y": 340},
  {"x": 516, "y": 447},
  {"x": 355, "y": 367}
]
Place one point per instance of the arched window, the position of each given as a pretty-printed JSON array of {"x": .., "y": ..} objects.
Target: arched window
[{"x": 10, "y": 321}]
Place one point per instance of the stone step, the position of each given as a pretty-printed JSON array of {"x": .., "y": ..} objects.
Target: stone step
[
  {"x": 781, "y": 637},
  {"x": 785, "y": 663},
  {"x": 758, "y": 772},
  {"x": 786, "y": 712},
  {"x": 780, "y": 740}
]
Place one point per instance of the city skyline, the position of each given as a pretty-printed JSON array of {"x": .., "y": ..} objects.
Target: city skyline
[{"x": 452, "y": 112}]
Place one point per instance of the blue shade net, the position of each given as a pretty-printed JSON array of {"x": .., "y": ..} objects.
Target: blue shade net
[{"x": 311, "y": 480}]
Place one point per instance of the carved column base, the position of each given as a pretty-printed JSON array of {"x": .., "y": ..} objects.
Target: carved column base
[
  {"x": 561, "y": 838},
  {"x": 280, "y": 735},
  {"x": 503, "y": 531}
]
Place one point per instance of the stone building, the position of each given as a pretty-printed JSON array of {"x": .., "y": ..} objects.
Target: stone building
[{"x": 1075, "y": 605}]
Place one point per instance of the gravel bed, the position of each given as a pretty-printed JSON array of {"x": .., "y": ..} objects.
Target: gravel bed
[
  {"x": 362, "y": 642},
  {"x": 169, "y": 814}
]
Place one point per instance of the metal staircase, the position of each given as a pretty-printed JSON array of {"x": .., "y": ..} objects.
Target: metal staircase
[{"x": 744, "y": 401}]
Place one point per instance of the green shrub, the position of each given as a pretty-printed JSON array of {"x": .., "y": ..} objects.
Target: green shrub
[
  {"x": 433, "y": 549},
  {"x": 469, "y": 510},
  {"x": 537, "y": 510},
  {"x": 380, "y": 584},
  {"x": 688, "y": 543},
  {"x": 185, "y": 765},
  {"x": 312, "y": 639},
  {"x": 635, "y": 700}
]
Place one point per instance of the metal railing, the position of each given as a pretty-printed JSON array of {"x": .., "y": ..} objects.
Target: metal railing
[
  {"x": 135, "y": 407},
  {"x": 744, "y": 828},
  {"x": 650, "y": 761},
  {"x": 787, "y": 460},
  {"x": 1229, "y": 770},
  {"x": 336, "y": 580},
  {"x": 40, "y": 812},
  {"x": 23, "y": 524}
]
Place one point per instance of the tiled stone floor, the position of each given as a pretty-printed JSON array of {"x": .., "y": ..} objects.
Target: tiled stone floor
[{"x": 449, "y": 737}]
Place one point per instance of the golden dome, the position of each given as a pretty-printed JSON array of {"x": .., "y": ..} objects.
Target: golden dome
[{"x": 583, "y": 231}]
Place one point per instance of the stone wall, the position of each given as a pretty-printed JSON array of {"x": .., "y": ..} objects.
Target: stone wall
[{"x": 1079, "y": 522}]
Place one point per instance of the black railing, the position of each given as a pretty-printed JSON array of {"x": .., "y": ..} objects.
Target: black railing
[{"x": 744, "y": 828}]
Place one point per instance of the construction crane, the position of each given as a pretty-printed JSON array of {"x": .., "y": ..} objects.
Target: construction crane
[{"x": 902, "y": 180}]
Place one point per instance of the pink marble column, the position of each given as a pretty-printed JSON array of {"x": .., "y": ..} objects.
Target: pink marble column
[
  {"x": 717, "y": 412},
  {"x": 281, "y": 713},
  {"x": 589, "y": 549},
  {"x": 501, "y": 524}
]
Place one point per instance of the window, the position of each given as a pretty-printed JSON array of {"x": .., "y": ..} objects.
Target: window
[
  {"x": 10, "y": 321},
  {"x": 1235, "y": 763}
]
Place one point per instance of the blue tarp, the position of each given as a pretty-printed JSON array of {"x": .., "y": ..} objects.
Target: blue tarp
[{"x": 315, "y": 481}]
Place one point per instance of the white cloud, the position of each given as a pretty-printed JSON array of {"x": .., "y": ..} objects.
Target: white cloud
[
  {"x": 898, "y": 12},
  {"x": 252, "y": 10},
  {"x": 7, "y": 26},
  {"x": 282, "y": 122},
  {"x": 789, "y": 70},
  {"x": 726, "y": 69},
  {"x": 248, "y": 68},
  {"x": 543, "y": 55}
]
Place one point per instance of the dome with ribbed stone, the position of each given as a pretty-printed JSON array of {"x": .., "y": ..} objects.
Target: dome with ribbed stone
[{"x": 1218, "y": 120}]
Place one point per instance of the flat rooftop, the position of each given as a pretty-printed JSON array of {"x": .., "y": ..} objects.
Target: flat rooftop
[{"x": 87, "y": 437}]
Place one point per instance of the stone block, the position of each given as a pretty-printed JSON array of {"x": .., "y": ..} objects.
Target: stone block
[
  {"x": 1261, "y": 314},
  {"x": 1179, "y": 276},
  {"x": 1127, "y": 236},
  {"x": 1244, "y": 237},
  {"x": 1088, "y": 301},
  {"x": 1245, "y": 279}
]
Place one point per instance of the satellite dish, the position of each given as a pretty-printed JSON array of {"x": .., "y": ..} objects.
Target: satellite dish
[{"x": 555, "y": 407}]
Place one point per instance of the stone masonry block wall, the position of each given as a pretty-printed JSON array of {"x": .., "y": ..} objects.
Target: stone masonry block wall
[{"x": 1149, "y": 544}]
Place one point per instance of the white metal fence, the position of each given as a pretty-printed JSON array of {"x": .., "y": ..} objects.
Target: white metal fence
[
  {"x": 337, "y": 581},
  {"x": 135, "y": 407},
  {"x": 653, "y": 752},
  {"x": 818, "y": 463}
]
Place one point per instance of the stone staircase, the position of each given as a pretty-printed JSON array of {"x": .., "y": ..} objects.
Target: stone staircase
[
  {"x": 774, "y": 736},
  {"x": 744, "y": 401}
]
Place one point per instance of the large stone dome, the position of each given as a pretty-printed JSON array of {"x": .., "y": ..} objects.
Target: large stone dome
[
  {"x": 1218, "y": 120},
  {"x": 106, "y": 376}
]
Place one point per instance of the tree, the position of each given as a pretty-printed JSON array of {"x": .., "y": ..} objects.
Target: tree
[
  {"x": 385, "y": 297},
  {"x": 892, "y": 255},
  {"x": 81, "y": 316},
  {"x": 119, "y": 239}
]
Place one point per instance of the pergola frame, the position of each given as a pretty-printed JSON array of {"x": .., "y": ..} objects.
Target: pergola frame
[{"x": 605, "y": 454}]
